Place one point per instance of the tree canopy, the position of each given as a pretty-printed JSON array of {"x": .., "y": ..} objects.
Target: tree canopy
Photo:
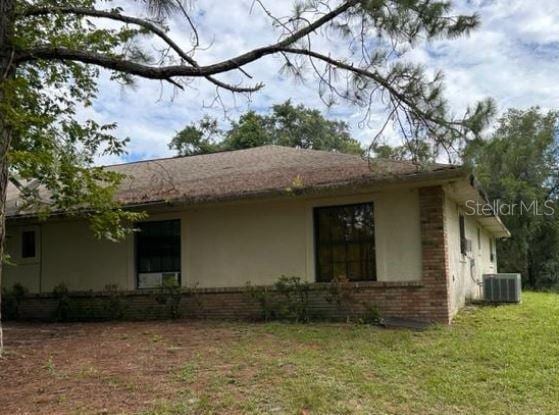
[
  {"x": 286, "y": 125},
  {"x": 414, "y": 150},
  {"x": 518, "y": 165}
]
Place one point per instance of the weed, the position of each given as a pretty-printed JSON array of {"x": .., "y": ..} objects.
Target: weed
[{"x": 49, "y": 366}]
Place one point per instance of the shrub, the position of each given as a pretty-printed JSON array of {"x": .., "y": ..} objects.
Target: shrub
[
  {"x": 262, "y": 296},
  {"x": 170, "y": 295},
  {"x": 371, "y": 314},
  {"x": 63, "y": 310},
  {"x": 288, "y": 300},
  {"x": 340, "y": 293},
  {"x": 293, "y": 301},
  {"x": 114, "y": 308},
  {"x": 11, "y": 300}
]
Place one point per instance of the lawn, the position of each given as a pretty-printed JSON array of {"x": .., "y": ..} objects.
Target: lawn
[{"x": 493, "y": 360}]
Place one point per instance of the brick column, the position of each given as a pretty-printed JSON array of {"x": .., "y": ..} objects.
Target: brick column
[{"x": 434, "y": 250}]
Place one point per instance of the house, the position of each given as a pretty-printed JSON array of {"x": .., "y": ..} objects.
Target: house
[{"x": 402, "y": 233}]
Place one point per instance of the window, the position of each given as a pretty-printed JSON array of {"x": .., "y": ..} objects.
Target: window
[
  {"x": 345, "y": 242},
  {"x": 158, "y": 247},
  {"x": 463, "y": 242},
  {"x": 491, "y": 250},
  {"x": 28, "y": 244},
  {"x": 479, "y": 239}
]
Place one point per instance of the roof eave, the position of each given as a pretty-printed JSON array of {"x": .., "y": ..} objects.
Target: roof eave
[
  {"x": 471, "y": 189},
  {"x": 437, "y": 177}
]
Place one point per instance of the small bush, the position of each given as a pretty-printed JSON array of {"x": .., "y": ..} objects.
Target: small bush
[
  {"x": 11, "y": 300},
  {"x": 293, "y": 301},
  {"x": 288, "y": 300},
  {"x": 371, "y": 314},
  {"x": 114, "y": 308},
  {"x": 262, "y": 296},
  {"x": 340, "y": 292},
  {"x": 63, "y": 310},
  {"x": 170, "y": 295}
]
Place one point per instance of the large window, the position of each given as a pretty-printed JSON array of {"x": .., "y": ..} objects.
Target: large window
[
  {"x": 158, "y": 246},
  {"x": 345, "y": 242}
]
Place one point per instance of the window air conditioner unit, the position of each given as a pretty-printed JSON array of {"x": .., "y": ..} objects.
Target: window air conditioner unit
[
  {"x": 157, "y": 279},
  {"x": 502, "y": 288}
]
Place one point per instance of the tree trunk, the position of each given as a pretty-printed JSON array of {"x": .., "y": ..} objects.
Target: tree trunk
[{"x": 6, "y": 74}]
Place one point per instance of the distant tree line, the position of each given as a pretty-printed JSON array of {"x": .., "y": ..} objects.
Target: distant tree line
[
  {"x": 286, "y": 125},
  {"x": 520, "y": 164}
]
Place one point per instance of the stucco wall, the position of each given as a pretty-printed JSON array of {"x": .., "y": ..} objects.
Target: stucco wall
[
  {"x": 225, "y": 245},
  {"x": 230, "y": 245},
  {"x": 20, "y": 270},
  {"x": 466, "y": 271},
  {"x": 70, "y": 254}
]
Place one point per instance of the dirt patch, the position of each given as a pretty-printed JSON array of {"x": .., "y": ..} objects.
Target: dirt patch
[{"x": 101, "y": 367}]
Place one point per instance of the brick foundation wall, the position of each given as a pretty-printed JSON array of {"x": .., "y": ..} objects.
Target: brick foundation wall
[
  {"x": 426, "y": 300},
  {"x": 396, "y": 299}
]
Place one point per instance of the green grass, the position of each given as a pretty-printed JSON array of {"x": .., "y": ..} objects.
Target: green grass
[{"x": 493, "y": 360}]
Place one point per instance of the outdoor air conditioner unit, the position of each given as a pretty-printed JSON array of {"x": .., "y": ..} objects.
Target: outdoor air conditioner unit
[
  {"x": 157, "y": 279},
  {"x": 502, "y": 288}
]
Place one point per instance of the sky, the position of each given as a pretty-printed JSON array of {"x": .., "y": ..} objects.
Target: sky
[{"x": 512, "y": 57}]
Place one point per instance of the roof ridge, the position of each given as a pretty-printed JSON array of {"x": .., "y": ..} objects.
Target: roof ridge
[
  {"x": 410, "y": 162},
  {"x": 232, "y": 151},
  {"x": 296, "y": 149},
  {"x": 191, "y": 155}
]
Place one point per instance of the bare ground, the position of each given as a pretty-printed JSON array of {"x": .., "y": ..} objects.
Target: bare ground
[
  {"x": 100, "y": 367},
  {"x": 492, "y": 361}
]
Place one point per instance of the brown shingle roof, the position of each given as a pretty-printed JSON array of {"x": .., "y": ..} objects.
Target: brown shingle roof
[{"x": 253, "y": 172}]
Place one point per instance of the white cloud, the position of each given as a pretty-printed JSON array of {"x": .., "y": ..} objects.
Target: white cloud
[{"x": 513, "y": 56}]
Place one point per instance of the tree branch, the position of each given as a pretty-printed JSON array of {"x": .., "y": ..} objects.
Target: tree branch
[
  {"x": 373, "y": 75},
  {"x": 190, "y": 22},
  {"x": 166, "y": 72},
  {"x": 120, "y": 64},
  {"x": 113, "y": 15}
]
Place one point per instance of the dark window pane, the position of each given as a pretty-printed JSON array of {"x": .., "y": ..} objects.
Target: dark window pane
[
  {"x": 158, "y": 246},
  {"x": 357, "y": 270},
  {"x": 338, "y": 252},
  {"x": 28, "y": 246},
  {"x": 354, "y": 250},
  {"x": 324, "y": 254},
  {"x": 462, "y": 235},
  {"x": 335, "y": 232},
  {"x": 345, "y": 243},
  {"x": 340, "y": 270}
]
